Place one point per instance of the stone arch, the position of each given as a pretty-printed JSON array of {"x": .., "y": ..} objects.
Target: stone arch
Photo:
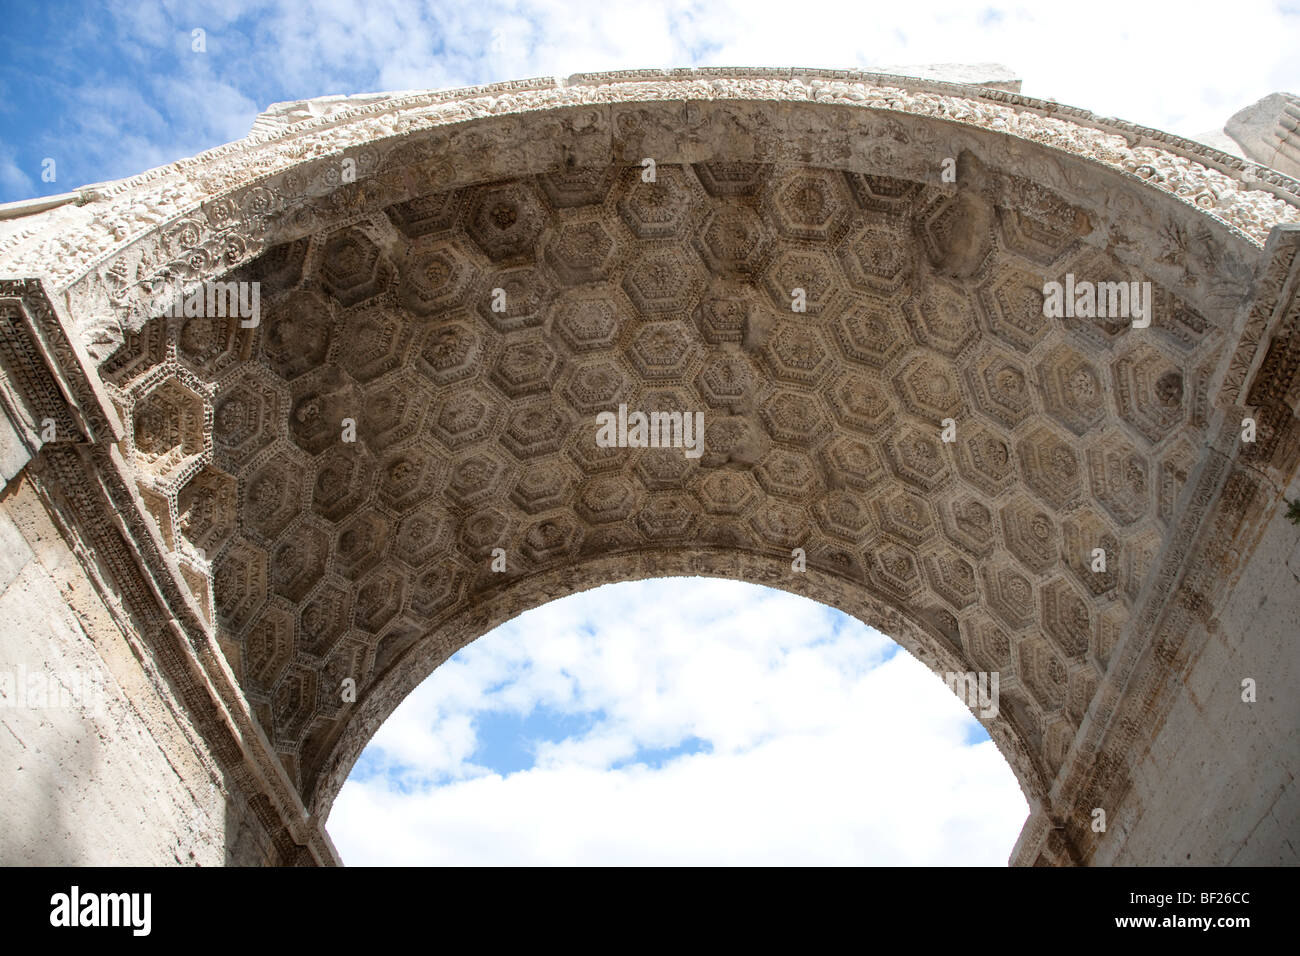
[
  {"x": 915, "y": 634},
  {"x": 378, "y": 231}
]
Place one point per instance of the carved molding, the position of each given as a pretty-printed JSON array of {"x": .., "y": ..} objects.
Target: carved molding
[{"x": 198, "y": 218}]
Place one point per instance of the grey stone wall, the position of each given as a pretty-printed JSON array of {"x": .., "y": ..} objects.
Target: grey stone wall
[
  {"x": 1218, "y": 786},
  {"x": 108, "y": 773}
]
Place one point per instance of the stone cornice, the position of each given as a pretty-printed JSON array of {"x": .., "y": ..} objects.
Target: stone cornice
[
  {"x": 1277, "y": 288},
  {"x": 63, "y": 245}
]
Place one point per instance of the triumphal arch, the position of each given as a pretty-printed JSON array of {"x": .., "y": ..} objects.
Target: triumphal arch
[{"x": 288, "y": 423}]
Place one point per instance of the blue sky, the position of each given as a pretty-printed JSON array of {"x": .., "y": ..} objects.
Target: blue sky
[{"x": 108, "y": 90}]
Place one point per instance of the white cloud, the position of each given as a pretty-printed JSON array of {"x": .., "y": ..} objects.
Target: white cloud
[
  {"x": 821, "y": 748},
  {"x": 12, "y": 179},
  {"x": 1123, "y": 59}
]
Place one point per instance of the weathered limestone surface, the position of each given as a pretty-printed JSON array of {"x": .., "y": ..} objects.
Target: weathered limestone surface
[
  {"x": 1269, "y": 131},
  {"x": 114, "y": 774},
  {"x": 1218, "y": 786},
  {"x": 255, "y": 561}
]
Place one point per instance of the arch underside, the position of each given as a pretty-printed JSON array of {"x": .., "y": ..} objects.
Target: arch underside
[
  {"x": 476, "y": 429},
  {"x": 314, "y": 559}
]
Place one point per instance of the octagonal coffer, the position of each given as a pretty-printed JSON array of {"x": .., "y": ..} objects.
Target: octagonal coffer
[
  {"x": 504, "y": 220},
  {"x": 168, "y": 427},
  {"x": 206, "y": 508},
  {"x": 353, "y": 267}
]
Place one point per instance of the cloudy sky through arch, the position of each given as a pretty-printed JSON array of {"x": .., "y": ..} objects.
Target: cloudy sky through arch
[{"x": 680, "y": 721}]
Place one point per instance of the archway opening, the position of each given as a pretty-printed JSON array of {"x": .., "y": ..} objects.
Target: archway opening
[{"x": 680, "y": 720}]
